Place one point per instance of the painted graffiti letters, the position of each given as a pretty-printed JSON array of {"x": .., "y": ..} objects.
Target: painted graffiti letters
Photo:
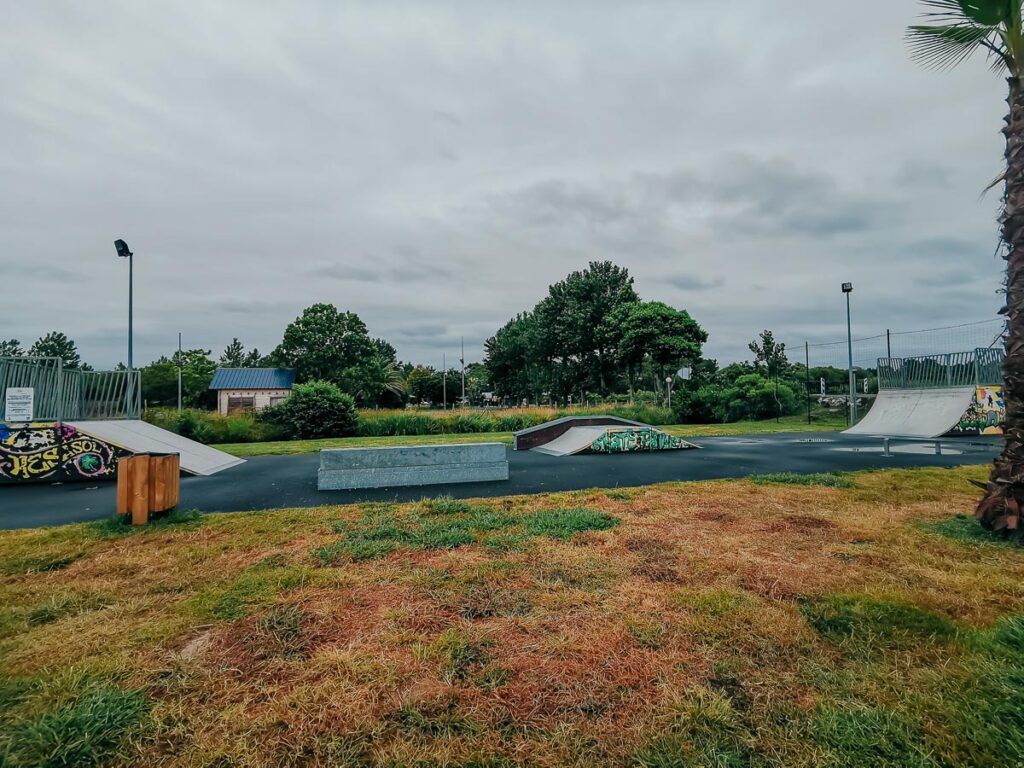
[{"x": 54, "y": 452}]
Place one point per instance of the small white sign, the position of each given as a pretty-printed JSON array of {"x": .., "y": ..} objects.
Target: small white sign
[
  {"x": 20, "y": 403},
  {"x": 822, "y": 381}
]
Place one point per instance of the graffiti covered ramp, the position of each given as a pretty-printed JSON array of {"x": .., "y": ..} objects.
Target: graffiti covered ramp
[
  {"x": 141, "y": 437},
  {"x": 604, "y": 439},
  {"x": 915, "y": 412}
]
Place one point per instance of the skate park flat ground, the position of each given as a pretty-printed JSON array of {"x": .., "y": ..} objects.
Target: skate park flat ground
[{"x": 275, "y": 482}]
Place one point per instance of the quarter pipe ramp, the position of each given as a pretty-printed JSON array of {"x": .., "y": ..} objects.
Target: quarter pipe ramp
[
  {"x": 142, "y": 437},
  {"x": 927, "y": 412}
]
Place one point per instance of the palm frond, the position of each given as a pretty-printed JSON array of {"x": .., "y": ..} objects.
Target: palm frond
[
  {"x": 945, "y": 46},
  {"x": 941, "y": 47}
]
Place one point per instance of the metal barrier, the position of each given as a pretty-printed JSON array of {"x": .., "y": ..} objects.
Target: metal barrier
[
  {"x": 69, "y": 394},
  {"x": 955, "y": 369}
]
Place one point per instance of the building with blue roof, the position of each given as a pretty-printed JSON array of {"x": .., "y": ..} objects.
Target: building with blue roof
[{"x": 251, "y": 389}]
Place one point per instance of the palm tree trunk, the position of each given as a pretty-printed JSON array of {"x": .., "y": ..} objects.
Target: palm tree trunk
[{"x": 1000, "y": 509}]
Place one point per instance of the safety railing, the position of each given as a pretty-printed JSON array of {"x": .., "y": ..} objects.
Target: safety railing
[
  {"x": 66, "y": 394},
  {"x": 955, "y": 369}
]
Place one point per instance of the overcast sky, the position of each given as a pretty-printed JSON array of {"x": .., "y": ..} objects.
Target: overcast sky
[{"x": 434, "y": 166}]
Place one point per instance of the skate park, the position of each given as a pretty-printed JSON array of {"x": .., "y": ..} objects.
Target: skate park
[{"x": 918, "y": 419}]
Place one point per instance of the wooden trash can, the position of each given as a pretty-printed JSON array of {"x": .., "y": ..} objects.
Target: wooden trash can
[{"x": 147, "y": 483}]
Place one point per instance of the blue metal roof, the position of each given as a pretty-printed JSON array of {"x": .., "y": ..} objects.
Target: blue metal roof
[{"x": 253, "y": 378}]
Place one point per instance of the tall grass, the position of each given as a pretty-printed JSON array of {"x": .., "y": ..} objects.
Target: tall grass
[
  {"x": 386, "y": 423},
  {"x": 211, "y": 427}
]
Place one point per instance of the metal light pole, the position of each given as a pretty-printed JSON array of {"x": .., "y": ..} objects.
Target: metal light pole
[
  {"x": 848, "y": 289},
  {"x": 462, "y": 360},
  {"x": 444, "y": 382},
  {"x": 124, "y": 252}
]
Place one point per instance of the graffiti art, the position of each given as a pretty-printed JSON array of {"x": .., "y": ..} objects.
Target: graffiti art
[
  {"x": 631, "y": 439},
  {"x": 54, "y": 451},
  {"x": 985, "y": 414}
]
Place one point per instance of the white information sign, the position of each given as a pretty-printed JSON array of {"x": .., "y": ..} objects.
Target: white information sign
[{"x": 19, "y": 404}]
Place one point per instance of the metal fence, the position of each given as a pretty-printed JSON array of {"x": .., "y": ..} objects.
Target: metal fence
[
  {"x": 956, "y": 369},
  {"x": 62, "y": 394}
]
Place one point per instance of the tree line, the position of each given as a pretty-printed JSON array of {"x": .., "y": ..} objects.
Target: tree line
[{"x": 591, "y": 338}]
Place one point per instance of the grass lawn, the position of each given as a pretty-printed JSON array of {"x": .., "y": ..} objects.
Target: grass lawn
[
  {"x": 786, "y": 424},
  {"x": 729, "y": 623}
]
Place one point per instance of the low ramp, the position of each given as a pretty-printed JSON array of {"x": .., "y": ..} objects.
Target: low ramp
[
  {"x": 604, "y": 439},
  {"x": 142, "y": 437},
  {"x": 574, "y": 440},
  {"x": 930, "y": 412}
]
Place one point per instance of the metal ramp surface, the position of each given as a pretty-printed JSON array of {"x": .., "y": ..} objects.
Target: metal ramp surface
[
  {"x": 926, "y": 412},
  {"x": 142, "y": 437}
]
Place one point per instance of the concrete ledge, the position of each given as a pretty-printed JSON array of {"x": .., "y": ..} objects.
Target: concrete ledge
[{"x": 350, "y": 468}]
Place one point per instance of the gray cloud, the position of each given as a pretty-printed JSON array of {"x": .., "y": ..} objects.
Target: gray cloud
[
  {"x": 435, "y": 166},
  {"x": 694, "y": 282}
]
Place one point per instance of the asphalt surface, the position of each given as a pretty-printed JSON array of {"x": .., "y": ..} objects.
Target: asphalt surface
[{"x": 268, "y": 482}]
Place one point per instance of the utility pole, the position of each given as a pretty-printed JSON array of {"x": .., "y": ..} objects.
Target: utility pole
[
  {"x": 848, "y": 289},
  {"x": 888, "y": 344},
  {"x": 444, "y": 382},
  {"x": 807, "y": 378},
  {"x": 463, "y": 361},
  {"x": 179, "y": 371}
]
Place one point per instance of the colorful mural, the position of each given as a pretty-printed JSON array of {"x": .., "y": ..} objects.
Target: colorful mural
[
  {"x": 637, "y": 439},
  {"x": 54, "y": 451},
  {"x": 985, "y": 415}
]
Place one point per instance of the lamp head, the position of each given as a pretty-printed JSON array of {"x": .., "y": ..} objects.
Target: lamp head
[
  {"x": 847, "y": 287},
  {"x": 122, "y": 249}
]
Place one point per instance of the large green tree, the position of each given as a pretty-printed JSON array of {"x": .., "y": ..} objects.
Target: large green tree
[
  {"x": 653, "y": 330},
  {"x": 57, "y": 344},
  {"x": 325, "y": 344},
  {"x": 160, "y": 379},
  {"x": 954, "y": 30},
  {"x": 570, "y": 328},
  {"x": 514, "y": 360}
]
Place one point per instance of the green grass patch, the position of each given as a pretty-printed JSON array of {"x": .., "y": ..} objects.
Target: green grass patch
[
  {"x": 17, "y": 566},
  {"x": 87, "y": 729},
  {"x": 449, "y": 524},
  {"x": 704, "y": 730},
  {"x": 256, "y": 586},
  {"x": 121, "y": 525},
  {"x": 965, "y": 529},
  {"x": 865, "y": 737},
  {"x": 874, "y": 622},
  {"x": 715, "y": 602},
  {"x": 828, "y": 480}
]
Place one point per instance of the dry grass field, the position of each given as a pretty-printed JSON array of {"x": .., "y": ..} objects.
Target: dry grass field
[{"x": 852, "y": 621}]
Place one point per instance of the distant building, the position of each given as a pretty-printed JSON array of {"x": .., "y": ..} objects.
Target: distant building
[{"x": 251, "y": 389}]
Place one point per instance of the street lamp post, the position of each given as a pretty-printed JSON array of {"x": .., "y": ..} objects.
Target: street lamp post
[
  {"x": 123, "y": 251},
  {"x": 848, "y": 289}
]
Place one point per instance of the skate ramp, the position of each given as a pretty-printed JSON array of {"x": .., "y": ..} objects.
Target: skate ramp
[
  {"x": 575, "y": 440},
  {"x": 605, "y": 439},
  {"x": 930, "y": 412},
  {"x": 142, "y": 437}
]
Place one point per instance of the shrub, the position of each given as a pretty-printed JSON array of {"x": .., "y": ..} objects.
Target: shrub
[
  {"x": 317, "y": 409},
  {"x": 754, "y": 397},
  {"x": 696, "y": 406}
]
